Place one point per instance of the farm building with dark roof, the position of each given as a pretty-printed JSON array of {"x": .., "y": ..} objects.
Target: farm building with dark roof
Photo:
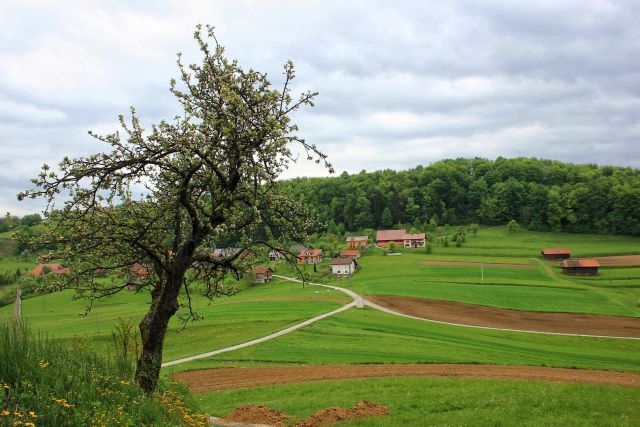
[
  {"x": 580, "y": 267},
  {"x": 556, "y": 253}
]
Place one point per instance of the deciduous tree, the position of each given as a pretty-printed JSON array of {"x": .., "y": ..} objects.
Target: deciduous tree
[{"x": 208, "y": 175}]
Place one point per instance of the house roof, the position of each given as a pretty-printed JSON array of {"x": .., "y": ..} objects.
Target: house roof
[
  {"x": 262, "y": 270},
  {"x": 580, "y": 263},
  {"x": 357, "y": 238},
  {"x": 138, "y": 270},
  {"x": 55, "y": 269},
  {"x": 350, "y": 252},
  {"x": 311, "y": 252},
  {"x": 342, "y": 261},
  {"x": 556, "y": 251},
  {"x": 382, "y": 235},
  {"x": 414, "y": 236}
]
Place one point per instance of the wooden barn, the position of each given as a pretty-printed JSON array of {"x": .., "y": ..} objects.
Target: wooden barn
[
  {"x": 580, "y": 267},
  {"x": 401, "y": 238},
  {"x": 556, "y": 253}
]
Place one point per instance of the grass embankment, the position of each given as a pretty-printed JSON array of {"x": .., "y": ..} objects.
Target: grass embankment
[
  {"x": 252, "y": 313},
  {"x": 368, "y": 336},
  {"x": 444, "y": 401},
  {"x": 50, "y": 383}
]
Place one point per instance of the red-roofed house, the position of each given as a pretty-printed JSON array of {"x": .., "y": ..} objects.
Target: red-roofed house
[
  {"x": 138, "y": 270},
  {"x": 53, "y": 268},
  {"x": 357, "y": 241},
  {"x": 343, "y": 265},
  {"x": 580, "y": 267},
  {"x": 556, "y": 253},
  {"x": 353, "y": 253},
  {"x": 262, "y": 274},
  {"x": 400, "y": 237},
  {"x": 310, "y": 256}
]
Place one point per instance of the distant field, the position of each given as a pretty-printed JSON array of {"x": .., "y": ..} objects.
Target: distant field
[
  {"x": 368, "y": 336},
  {"x": 446, "y": 401},
  {"x": 252, "y": 313}
]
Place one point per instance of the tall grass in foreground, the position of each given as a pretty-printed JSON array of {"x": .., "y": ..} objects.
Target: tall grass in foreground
[{"x": 44, "y": 382}]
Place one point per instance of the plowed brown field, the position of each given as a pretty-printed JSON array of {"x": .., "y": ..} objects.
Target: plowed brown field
[
  {"x": 480, "y": 315},
  {"x": 230, "y": 378},
  {"x": 618, "y": 261}
]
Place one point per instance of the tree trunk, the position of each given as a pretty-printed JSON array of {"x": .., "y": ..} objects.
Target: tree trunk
[{"x": 153, "y": 328}]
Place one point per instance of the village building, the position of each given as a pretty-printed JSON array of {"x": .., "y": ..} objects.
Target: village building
[
  {"x": 262, "y": 274},
  {"x": 310, "y": 256},
  {"x": 357, "y": 241},
  {"x": 343, "y": 266},
  {"x": 53, "y": 268},
  {"x": 556, "y": 253},
  {"x": 580, "y": 267},
  {"x": 276, "y": 254},
  {"x": 231, "y": 253},
  {"x": 401, "y": 237},
  {"x": 353, "y": 253}
]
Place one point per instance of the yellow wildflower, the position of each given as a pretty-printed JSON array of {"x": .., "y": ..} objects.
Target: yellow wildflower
[
  {"x": 5, "y": 413},
  {"x": 123, "y": 382},
  {"x": 32, "y": 414},
  {"x": 29, "y": 424},
  {"x": 43, "y": 363}
]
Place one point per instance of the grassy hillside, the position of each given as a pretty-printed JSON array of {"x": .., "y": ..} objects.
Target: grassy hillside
[
  {"x": 252, "y": 313},
  {"x": 446, "y": 401},
  {"x": 369, "y": 336}
]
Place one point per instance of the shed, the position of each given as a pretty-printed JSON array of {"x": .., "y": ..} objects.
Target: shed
[
  {"x": 343, "y": 266},
  {"x": 357, "y": 241},
  {"x": 556, "y": 253},
  {"x": 580, "y": 267}
]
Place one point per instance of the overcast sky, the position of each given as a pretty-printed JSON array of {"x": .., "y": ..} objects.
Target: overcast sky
[{"x": 401, "y": 83}]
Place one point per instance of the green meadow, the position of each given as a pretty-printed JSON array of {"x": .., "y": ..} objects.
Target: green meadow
[
  {"x": 446, "y": 401},
  {"x": 250, "y": 314},
  {"x": 370, "y": 336}
]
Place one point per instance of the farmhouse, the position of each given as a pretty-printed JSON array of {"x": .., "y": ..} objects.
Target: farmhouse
[
  {"x": 262, "y": 274},
  {"x": 352, "y": 253},
  {"x": 556, "y": 253},
  {"x": 310, "y": 256},
  {"x": 343, "y": 266},
  {"x": 400, "y": 237},
  {"x": 357, "y": 241},
  {"x": 53, "y": 268},
  {"x": 580, "y": 267}
]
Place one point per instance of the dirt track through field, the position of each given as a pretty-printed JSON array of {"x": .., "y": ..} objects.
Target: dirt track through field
[
  {"x": 232, "y": 378},
  {"x": 477, "y": 264},
  {"x": 479, "y": 315},
  {"x": 618, "y": 261}
]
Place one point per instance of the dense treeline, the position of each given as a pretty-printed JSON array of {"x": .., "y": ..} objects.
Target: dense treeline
[{"x": 538, "y": 194}]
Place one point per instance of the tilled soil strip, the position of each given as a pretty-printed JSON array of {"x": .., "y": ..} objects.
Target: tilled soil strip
[
  {"x": 618, "y": 261},
  {"x": 480, "y": 315},
  {"x": 232, "y": 378},
  {"x": 477, "y": 264}
]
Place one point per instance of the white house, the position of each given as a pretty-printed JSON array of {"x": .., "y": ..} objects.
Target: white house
[{"x": 341, "y": 266}]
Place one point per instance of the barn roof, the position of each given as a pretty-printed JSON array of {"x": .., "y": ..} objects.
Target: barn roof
[
  {"x": 310, "y": 252},
  {"x": 382, "y": 235},
  {"x": 414, "y": 236},
  {"x": 262, "y": 270},
  {"x": 55, "y": 269},
  {"x": 580, "y": 263},
  {"x": 342, "y": 261},
  {"x": 350, "y": 252},
  {"x": 556, "y": 251},
  {"x": 357, "y": 238}
]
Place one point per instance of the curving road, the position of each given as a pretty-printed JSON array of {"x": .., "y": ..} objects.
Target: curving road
[{"x": 358, "y": 300}]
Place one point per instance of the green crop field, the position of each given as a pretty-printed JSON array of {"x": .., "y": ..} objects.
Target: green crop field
[
  {"x": 252, "y": 313},
  {"x": 445, "y": 401},
  {"x": 369, "y": 336}
]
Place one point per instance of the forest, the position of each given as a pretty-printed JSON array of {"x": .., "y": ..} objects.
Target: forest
[{"x": 542, "y": 195}]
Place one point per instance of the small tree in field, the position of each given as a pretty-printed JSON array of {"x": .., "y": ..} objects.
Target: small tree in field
[
  {"x": 512, "y": 226},
  {"x": 209, "y": 175}
]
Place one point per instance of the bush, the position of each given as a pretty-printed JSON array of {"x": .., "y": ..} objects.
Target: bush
[{"x": 50, "y": 383}]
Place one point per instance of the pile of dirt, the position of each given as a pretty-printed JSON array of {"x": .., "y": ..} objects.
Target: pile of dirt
[
  {"x": 256, "y": 414},
  {"x": 263, "y": 415},
  {"x": 362, "y": 409}
]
